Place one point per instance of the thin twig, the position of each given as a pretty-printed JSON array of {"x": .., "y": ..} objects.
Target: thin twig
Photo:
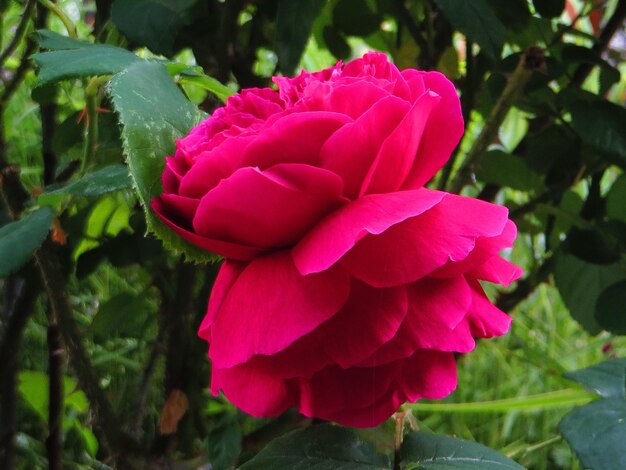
[
  {"x": 54, "y": 441},
  {"x": 531, "y": 59}
]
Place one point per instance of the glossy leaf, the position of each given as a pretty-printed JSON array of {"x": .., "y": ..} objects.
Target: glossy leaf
[
  {"x": 426, "y": 451},
  {"x": 607, "y": 379},
  {"x": 580, "y": 284},
  {"x": 597, "y": 432},
  {"x": 152, "y": 23},
  {"x": 224, "y": 442},
  {"x": 20, "y": 239},
  {"x": 504, "y": 169},
  {"x": 478, "y": 21},
  {"x": 153, "y": 113},
  {"x": 323, "y": 447},
  {"x": 72, "y": 59},
  {"x": 105, "y": 180}
]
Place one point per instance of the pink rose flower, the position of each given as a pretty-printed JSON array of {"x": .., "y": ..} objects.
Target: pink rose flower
[{"x": 347, "y": 286}]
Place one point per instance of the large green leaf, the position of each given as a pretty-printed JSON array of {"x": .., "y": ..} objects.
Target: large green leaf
[
  {"x": 426, "y": 451},
  {"x": 479, "y": 22},
  {"x": 20, "y": 239},
  {"x": 607, "y": 379},
  {"x": 581, "y": 283},
  {"x": 223, "y": 443},
  {"x": 154, "y": 113},
  {"x": 152, "y": 23},
  {"x": 71, "y": 59},
  {"x": 105, "y": 180},
  {"x": 124, "y": 314},
  {"x": 616, "y": 199},
  {"x": 597, "y": 433},
  {"x": 508, "y": 170},
  {"x": 324, "y": 447}
]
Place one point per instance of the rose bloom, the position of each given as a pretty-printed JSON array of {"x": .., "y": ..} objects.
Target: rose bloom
[{"x": 347, "y": 286}]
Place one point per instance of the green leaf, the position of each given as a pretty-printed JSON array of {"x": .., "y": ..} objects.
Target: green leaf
[
  {"x": 72, "y": 59},
  {"x": 20, "y": 239},
  {"x": 33, "y": 387},
  {"x": 355, "y": 18},
  {"x": 600, "y": 124},
  {"x": 54, "y": 41},
  {"x": 580, "y": 284},
  {"x": 224, "y": 442},
  {"x": 152, "y": 23},
  {"x": 508, "y": 170},
  {"x": 323, "y": 447},
  {"x": 336, "y": 43},
  {"x": 479, "y": 22},
  {"x": 607, "y": 379},
  {"x": 206, "y": 83},
  {"x": 154, "y": 113},
  {"x": 105, "y": 180},
  {"x": 122, "y": 315},
  {"x": 611, "y": 308},
  {"x": 597, "y": 433},
  {"x": 616, "y": 199},
  {"x": 426, "y": 451},
  {"x": 549, "y": 8},
  {"x": 294, "y": 22}
]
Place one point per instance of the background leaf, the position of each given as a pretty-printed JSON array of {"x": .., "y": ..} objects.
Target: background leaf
[
  {"x": 20, "y": 239},
  {"x": 607, "y": 379}
]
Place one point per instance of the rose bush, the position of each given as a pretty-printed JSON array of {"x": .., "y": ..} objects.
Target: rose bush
[{"x": 347, "y": 286}]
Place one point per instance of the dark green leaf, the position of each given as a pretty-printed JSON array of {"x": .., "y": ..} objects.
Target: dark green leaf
[
  {"x": 206, "y": 83},
  {"x": 294, "y": 21},
  {"x": 504, "y": 169},
  {"x": 71, "y": 59},
  {"x": 580, "y": 284},
  {"x": 478, "y": 21},
  {"x": 323, "y": 447},
  {"x": 616, "y": 199},
  {"x": 105, "y": 180},
  {"x": 426, "y": 451},
  {"x": 592, "y": 245},
  {"x": 597, "y": 433},
  {"x": 154, "y": 113},
  {"x": 611, "y": 308},
  {"x": 600, "y": 124},
  {"x": 20, "y": 239},
  {"x": 513, "y": 13},
  {"x": 355, "y": 18},
  {"x": 224, "y": 442},
  {"x": 54, "y": 41},
  {"x": 336, "y": 43},
  {"x": 549, "y": 8},
  {"x": 607, "y": 379},
  {"x": 152, "y": 23}
]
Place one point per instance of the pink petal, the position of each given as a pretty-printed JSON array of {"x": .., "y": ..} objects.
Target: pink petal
[
  {"x": 294, "y": 138},
  {"x": 498, "y": 271},
  {"x": 397, "y": 153},
  {"x": 352, "y": 149},
  {"x": 354, "y": 98},
  {"x": 409, "y": 251},
  {"x": 436, "y": 309},
  {"x": 443, "y": 130},
  {"x": 485, "y": 249},
  {"x": 332, "y": 237},
  {"x": 256, "y": 392},
  {"x": 486, "y": 320},
  {"x": 223, "y": 248},
  {"x": 270, "y": 306},
  {"x": 226, "y": 277},
  {"x": 271, "y": 208},
  {"x": 430, "y": 375}
]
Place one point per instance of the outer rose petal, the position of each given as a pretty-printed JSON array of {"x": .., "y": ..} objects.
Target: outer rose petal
[
  {"x": 230, "y": 250},
  {"x": 486, "y": 320},
  {"x": 498, "y": 271},
  {"x": 335, "y": 235},
  {"x": 271, "y": 208},
  {"x": 270, "y": 306},
  {"x": 443, "y": 130},
  {"x": 409, "y": 251}
]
